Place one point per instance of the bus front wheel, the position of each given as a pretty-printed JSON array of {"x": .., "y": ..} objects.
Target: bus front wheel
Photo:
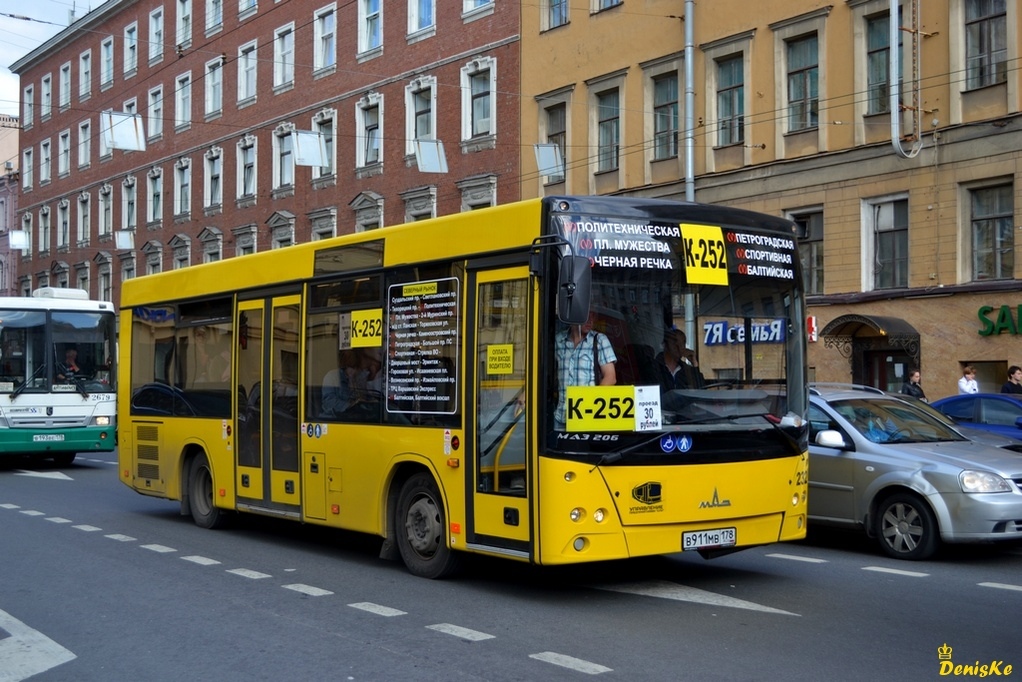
[
  {"x": 420, "y": 529},
  {"x": 200, "y": 495}
]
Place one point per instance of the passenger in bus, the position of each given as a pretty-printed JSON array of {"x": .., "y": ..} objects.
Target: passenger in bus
[
  {"x": 584, "y": 358},
  {"x": 339, "y": 384},
  {"x": 69, "y": 369},
  {"x": 679, "y": 367}
]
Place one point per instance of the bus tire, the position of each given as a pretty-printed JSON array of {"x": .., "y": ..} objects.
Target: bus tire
[
  {"x": 200, "y": 495},
  {"x": 420, "y": 529},
  {"x": 64, "y": 459}
]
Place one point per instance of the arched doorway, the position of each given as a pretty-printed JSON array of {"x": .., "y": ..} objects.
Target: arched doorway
[{"x": 880, "y": 349}]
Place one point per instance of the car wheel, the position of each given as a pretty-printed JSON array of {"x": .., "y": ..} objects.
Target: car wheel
[
  {"x": 200, "y": 495},
  {"x": 421, "y": 537},
  {"x": 906, "y": 528}
]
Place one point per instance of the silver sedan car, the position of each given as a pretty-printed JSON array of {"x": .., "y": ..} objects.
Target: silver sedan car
[{"x": 882, "y": 464}]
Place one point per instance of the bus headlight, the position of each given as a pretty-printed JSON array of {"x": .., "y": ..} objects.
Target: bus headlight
[
  {"x": 599, "y": 515},
  {"x": 576, "y": 514},
  {"x": 101, "y": 421}
]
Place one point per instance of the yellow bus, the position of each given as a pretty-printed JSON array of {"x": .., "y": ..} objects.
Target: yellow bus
[{"x": 434, "y": 383}]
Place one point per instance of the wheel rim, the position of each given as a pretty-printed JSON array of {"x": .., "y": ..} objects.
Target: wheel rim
[
  {"x": 422, "y": 525},
  {"x": 902, "y": 528}
]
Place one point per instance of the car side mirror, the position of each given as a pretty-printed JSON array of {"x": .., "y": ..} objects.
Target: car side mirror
[{"x": 831, "y": 439}]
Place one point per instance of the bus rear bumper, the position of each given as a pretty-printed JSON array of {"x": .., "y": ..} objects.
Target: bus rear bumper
[{"x": 45, "y": 443}]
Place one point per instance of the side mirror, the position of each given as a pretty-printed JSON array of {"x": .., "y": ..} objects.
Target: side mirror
[
  {"x": 574, "y": 289},
  {"x": 831, "y": 439}
]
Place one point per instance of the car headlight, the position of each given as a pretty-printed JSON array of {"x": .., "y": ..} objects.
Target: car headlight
[{"x": 982, "y": 482}]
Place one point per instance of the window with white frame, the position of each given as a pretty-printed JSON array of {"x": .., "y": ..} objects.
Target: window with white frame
[
  {"x": 45, "y": 97},
  {"x": 184, "y": 23},
  {"x": 129, "y": 203},
  {"x": 153, "y": 252},
  {"x": 730, "y": 100},
  {"x": 283, "y": 156},
  {"x": 470, "y": 6},
  {"x": 803, "y": 65},
  {"x": 597, "y": 5},
  {"x": 247, "y": 72},
  {"x": 323, "y": 223},
  {"x": 370, "y": 25},
  {"x": 183, "y": 101},
  {"x": 214, "y": 15},
  {"x": 106, "y": 210},
  {"x": 65, "y": 86},
  {"x": 26, "y": 169},
  {"x": 84, "y": 144},
  {"x": 324, "y": 47},
  {"x": 106, "y": 289},
  {"x": 555, "y": 123},
  {"x": 369, "y": 131},
  {"x": 246, "y": 165},
  {"x": 154, "y": 194},
  {"x": 478, "y": 87},
  {"x": 85, "y": 75},
  {"x": 421, "y": 16},
  {"x": 44, "y": 162},
  {"x": 282, "y": 229},
  {"x": 245, "y": 240},
  {"x": 214, "y": 100},
  {"x": 82, "y": 275},
  {"x": 26, "y": 226},
  {"x": 130, "y": 48},
  {"x": 212, "y": 187},
  {"x": 325, "y": 123},
  {"x": 156, "y": 35},
  {"x": 886, "y": 243},
  {"x": 556, "y": 13},
  {"x": 64, "y": 153},
  {"x": 183, "y": 187},
  {"x": 106, "y": 62},
  {"x": 45, "y": 237},
  {"x": 420, "y": 203},
  {"x": 479, "y": 191},
  {"x": 63, "y": 223},
  {"x": 420, "y": 105},
  {"x": 878, "y": 60},
  {"x": 986, "y": 43},
  {"x": 284, "y": 56},
  {"x": 247, "y": 8},
  {"x": 608, "y": 129},
  {"x": 181, "y": 248},
  {"x": 84, "y": 218},
  {"x": 212, "y": 240},
  {"x": 809, "y": 232},
  {"x": 992, "y": 225},
  {"x": 130, "y": 106},
  {"x": 665, "y": 116},
  {"x": 127, "y": 266},
  {"x": 28, "y": 107},
  {"x": 155, "y": 113}
]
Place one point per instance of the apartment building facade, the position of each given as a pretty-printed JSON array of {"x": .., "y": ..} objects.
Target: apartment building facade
[
  {"x": 908, "y": 228},
  {"x": 265, "y": 123}
]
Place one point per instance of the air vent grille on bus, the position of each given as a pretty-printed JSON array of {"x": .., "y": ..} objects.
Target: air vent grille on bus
[
  {"x": 147, "y": 432},
  {"x": 150, "y": 471},
  {"x": 149, "y": 452}
]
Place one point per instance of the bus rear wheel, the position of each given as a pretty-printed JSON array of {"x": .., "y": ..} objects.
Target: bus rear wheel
[
  {"x": 421, "y": 538},
  {"x": 200, "y": 495}
]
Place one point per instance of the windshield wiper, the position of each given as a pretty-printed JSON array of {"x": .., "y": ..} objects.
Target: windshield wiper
[
  {"x": 80, "y": 385},
  {"x": 35, "y": 375}
]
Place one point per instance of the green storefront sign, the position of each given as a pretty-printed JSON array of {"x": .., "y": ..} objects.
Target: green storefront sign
[{"x": 1003, "y": 320}]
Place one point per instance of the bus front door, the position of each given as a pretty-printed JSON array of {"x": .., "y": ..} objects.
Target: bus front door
[
  {"x": 267, "y": 418},
  {"x": 501, "y": 479}
]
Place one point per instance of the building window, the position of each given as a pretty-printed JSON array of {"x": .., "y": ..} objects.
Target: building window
[
  {"x": 420, "y": 203},
  {"x": 803, "y": 85},
  {"x": 283, "y": 156},
  {"x": 323, "y": 223},
  {"x": 986, "y": 42},
  {"x": 212, "y": 191},
  {"x": 370, "y": 25},
  {"x": 878, "y": 60},
  {"x": 324, "y": 38},
  {"x": 106, "y": 62},
  {"x": 155, "y": 35},
  {"x": 478, "y": 83},
  {"x": 214, "y": 87},
  {"x": 63, "y": 223},
  {"x": 154, "y": 209},
  {"x": 129, "y": 203},
  {"x": 84, "y": 218},
  {"x": 85, "y": 75},
  {"x": 246, "y": 8},
  {"x": 889, "y": 243},
  {"x": 183, "y": 101},
  {"x": 44, "y": 230},
  {"x": 598, "y": 5},
  {"x": 105, "y": 283},
  {"x": 44, "y": 162},
  {"x": 556, "y": 133},
  {"x": 64, "y": 153},
  {"x": 106, "y": 210},
  {"x": 608, "y": 125},
  {"x": 130, "y": 49},
  {"x": 284, "y": 56},
  {"x": 184, "y": 23},
  {"x": 26, "y": 169},
  {"x": 477, "y": 192},
  {"x": 214, "y": 15},
  {"x": 246, "y": 167},
  {"x": 421, "y": 15},
  {"x": 324, "y": 124},
  {"x": 731, "y": 101},
  {"x": 212, "y": 241},
  {"x": 28, "y": 107},
  {"x": 155, "y": 112},
  {"x": 181, "y": 247},
  {"x": 993, "y": 232},
  {"x": 65, "y": 86},
  {"x": 665, "y": 116},
  {"x": 368, "y": 144},
  {"x": 557, "y": 13},
  {"x": 420, "y": 104},
  {"x": 480, "y": 108},
  {"x": 84, "y": 144},
  {"x": 45, "y": 97},
  {"x": 182, "y": 188},
  {"x": 810, "y": 248},
  {"x": 247, "y": 72}
]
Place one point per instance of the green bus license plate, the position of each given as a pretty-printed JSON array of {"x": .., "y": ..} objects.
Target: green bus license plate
[
  {"x": 48, "y": 437},
  {"x": 703, "y": 539}
]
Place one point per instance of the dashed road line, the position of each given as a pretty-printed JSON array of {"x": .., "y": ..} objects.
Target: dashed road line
[
  {"x": 201, "y": 560},
  {"x": 460, "y": 632},
  {"x": 571, "y": 663},
  {"x": 58, "y": 519},
  {"x": 32, "y": 512},
  {"x": 159, "y": 549},
  {"x": 795, "y": 557},
  {"x": 1002, "y": 586},
  {"x": 896, "y": 571},
  {"x": 8, "y": 505},
  {"x": 308, "y": 589},
  {"x": 120, "y": 538},
  {"x": 249, "y": 573},
  {"x": 377, "y": 609},
  {"x": 87, "y": 528}
]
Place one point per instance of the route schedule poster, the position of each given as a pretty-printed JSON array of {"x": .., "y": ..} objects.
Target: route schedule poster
[{"x": 422, "y": 370}]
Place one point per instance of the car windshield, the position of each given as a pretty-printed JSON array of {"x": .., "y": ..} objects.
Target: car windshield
[{"x": 894, "y": 421}]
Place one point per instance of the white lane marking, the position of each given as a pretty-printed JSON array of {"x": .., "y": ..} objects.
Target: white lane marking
[
  {"x": 32, "y": 512},
  {"x": 27, "y": 652},
  {"x": 1002, "y": 586},
  {"x": 663, "y": 589},
  {"x": 201, "y": 560},
  {"x": 795, "y": 557},
  {"x": 160, "y": 549},
  {"x": 120, "y": 538},
  {"x": 8, "y": 505},
  {"x": 571, "y": 663},
  {"x": 87, "y": 528},
  {"x": 377, "y": 609},
  {"x": 58, "y": 519},
  {"x": 55, "y": 475},
  {"x": 246, "y": 573},
  {"x": 308, "y": 589},
  {"x": 896, "y": 571},
  {"x": 463, "y": 633}
]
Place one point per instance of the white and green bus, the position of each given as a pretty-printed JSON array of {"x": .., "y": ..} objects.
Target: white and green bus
[{"x": 57, "y": 375}]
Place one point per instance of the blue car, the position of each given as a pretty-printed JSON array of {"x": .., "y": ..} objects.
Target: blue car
[{"x": 997, "y": 412}]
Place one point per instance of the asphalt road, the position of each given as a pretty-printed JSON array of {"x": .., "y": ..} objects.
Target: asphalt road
[{"x": 100, "y": 583}]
